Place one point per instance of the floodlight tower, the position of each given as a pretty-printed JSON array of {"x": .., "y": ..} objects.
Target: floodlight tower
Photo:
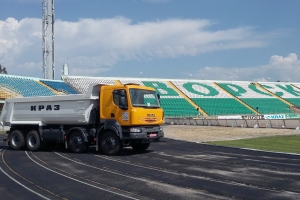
[{"x": 48, "y": 39}]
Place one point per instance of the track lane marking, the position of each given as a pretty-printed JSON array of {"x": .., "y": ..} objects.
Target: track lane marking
[
  {"x": 79, "y": 180},
  {"x": 27, "y": 188},
  {"x": 88, "y": 179},
  {"x": 145, "y": 179},
  {"x": 194, "y": 176},
  {"x": 30, "y": 190}
]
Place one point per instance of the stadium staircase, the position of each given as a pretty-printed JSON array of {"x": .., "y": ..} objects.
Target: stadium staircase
[
  {"x": 223, "y": 86},
  {"x": 188, "y": 99},
  {"x": 281, "y": 104}
]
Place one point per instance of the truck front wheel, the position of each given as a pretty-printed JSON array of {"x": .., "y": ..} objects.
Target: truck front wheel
[
  {"x": 33, "y": 141},
  {"x": 140, "y": 146},
  {"x": 76, "y": 142},
  {"x": 110, "y": 144},
  {"x": 17, "y": 140}
]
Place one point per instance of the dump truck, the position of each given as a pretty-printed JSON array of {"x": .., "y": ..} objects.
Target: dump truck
[{"x": 108, "y": 116}]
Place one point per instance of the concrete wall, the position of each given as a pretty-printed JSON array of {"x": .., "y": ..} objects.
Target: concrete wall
[{"x": 243, "y": 123}]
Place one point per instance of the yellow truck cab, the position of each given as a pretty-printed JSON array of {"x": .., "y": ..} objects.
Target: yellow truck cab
[{"x": 133, "y": 114}]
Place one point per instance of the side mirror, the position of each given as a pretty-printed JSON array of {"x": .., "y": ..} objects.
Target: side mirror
[
  {"x": 123, "y": 103},
  {"x": 158, "y": 96},
  {"x": 120, "y": 92}
]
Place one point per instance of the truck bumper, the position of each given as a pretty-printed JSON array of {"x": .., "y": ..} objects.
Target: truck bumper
[{"x": 146, "y": 134}]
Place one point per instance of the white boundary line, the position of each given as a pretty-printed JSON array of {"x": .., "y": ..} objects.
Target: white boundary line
[
  {"x": 21, "y": 183},
  {"x": 78, "y": 180}
]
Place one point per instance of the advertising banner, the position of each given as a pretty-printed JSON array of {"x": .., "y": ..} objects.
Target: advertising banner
[
  {"x": 253, "y": 117},
  {"x": 230, "y": 117},
  {"x": 276, "y": 116}
]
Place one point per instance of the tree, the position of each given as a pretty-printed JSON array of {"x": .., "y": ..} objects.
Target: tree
[{"x": 2, "y": 70}]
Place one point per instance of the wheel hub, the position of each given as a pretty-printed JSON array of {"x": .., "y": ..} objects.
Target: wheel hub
[
  {"x": 15, "y": 140},
  {"x": 110, "y": 143},
  {"x": 76, "y": 142},
  {"x": 32, "y": 141}
]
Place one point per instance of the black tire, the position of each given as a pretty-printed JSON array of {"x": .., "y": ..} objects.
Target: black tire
[
  {"x": 76, "y": 142},
  {"x": 17, "y": 140},
  {"x": 140, "y": 146},
  {"x": 110, "y": 144},
  {"x": 33, "y": 141}
]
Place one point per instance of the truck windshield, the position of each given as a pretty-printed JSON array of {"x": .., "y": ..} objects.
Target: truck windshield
[{"x": 144, "y": 98}]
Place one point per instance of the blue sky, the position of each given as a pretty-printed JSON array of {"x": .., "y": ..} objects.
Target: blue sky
[{"x": 257, "y": 40}]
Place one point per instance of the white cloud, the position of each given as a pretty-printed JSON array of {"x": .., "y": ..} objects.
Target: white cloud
[
  {"x": 279, "y": 68},
  {"x": 101, "y": 43}
]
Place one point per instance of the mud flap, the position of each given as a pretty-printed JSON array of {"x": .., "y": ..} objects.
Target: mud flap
[
  {"x": 97, "y": 144},
  {"x": 66, "y": 144}
]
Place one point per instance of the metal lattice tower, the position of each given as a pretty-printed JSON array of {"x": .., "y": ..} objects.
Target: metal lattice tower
[{"x": 48, "y": 39}]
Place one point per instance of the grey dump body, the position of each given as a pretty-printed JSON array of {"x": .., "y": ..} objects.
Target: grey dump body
[{"x": 51, "y": 110}]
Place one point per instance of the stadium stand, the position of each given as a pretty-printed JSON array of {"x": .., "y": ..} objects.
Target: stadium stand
[
  {"x": 260, "y": 100},
  {"x": 179, "y": 98},
  {"x": 59, "y": 86},
  {"x": 210, "y": 98},
  {"x": 24, "y": 86}
]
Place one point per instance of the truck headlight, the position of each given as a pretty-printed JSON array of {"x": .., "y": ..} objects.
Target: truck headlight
[
  {"x": 160, "y": 129},
  {"x": 135, "y": 130}
]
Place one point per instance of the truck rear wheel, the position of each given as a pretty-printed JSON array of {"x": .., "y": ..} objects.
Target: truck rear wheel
[
  {"x": 17, "y": 140},
  {"x": 140, "y": 146},
  {"x": 110, "y": 144},
  {"x": 33, "y": 141},
  {"x": 76, "y": 142}
]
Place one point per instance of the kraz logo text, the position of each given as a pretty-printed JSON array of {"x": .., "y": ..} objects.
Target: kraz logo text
[
  {"x": 45, "y": 107},
  {"x": 150, "y": 115}
]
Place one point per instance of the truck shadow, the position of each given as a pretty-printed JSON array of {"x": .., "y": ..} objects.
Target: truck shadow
[
  {"x": 127, "y": 151},
  {"x": 2, "y": 147}
]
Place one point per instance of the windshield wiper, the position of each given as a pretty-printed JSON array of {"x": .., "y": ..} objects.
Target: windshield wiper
[
  {"x": 145, "y": 106},
  {"x": 152, "y": 107}
]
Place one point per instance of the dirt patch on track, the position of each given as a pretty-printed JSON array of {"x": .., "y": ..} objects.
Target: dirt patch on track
[{"x": 213, "y": 133}]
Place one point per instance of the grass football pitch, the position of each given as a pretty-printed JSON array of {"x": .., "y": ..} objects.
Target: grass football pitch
[{"x": 289, "y": 144}]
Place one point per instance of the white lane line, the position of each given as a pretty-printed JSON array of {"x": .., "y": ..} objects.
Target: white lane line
[
  {"x": 79, "y": 180},
  {"x": 22, "y": 184},
  {"x": 117, "y": 173},
  {"x": 111, "y": 172}
]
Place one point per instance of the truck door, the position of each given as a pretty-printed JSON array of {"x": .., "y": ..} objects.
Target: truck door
[{"x": 120, "y": 107}]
